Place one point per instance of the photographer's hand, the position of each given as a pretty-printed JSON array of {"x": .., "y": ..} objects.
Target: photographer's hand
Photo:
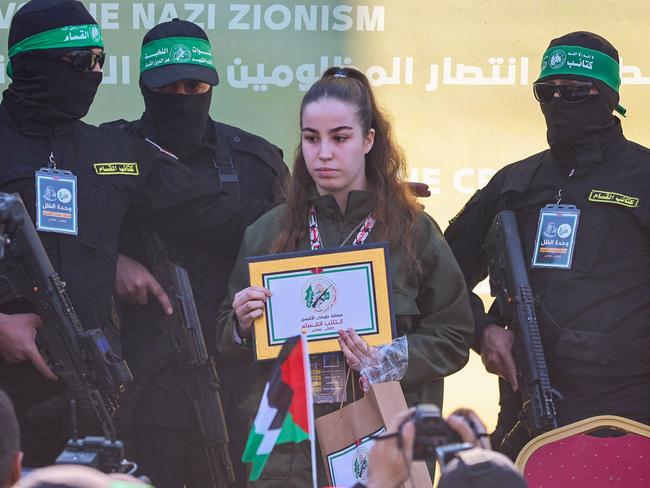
[
  {"x": 469, "y": 427},
  {"x": 389, "y": 463}
]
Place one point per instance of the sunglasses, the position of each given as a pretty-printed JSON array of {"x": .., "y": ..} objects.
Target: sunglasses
[
  {"x": 571, "y": 92},
  {"x": 85, "y": 61}
]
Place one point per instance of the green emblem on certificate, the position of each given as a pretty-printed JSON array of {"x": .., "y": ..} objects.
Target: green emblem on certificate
[{"x": 319, "y": 293}]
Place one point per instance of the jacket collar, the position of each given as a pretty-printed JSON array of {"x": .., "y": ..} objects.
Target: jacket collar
[
  {"x": 209, "y": 146},
  {"x": 358, "y": 207}
]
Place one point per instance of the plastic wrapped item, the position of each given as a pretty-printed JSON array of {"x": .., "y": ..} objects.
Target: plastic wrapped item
[{"x": 388, "y": 363}]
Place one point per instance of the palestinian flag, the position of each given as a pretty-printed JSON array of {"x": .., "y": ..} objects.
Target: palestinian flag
[{"x": 283, "y": 415}]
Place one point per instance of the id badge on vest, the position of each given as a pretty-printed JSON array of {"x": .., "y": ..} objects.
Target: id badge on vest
[
  {"x": 556, "y": 237},
  {"x": 56, "y": 201}
]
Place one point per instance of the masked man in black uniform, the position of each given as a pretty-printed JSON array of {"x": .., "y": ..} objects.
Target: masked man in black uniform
[
  {"x": 177, "y": 91},
  {"x": 56, "y": 54},
  {"x": 594, "y": 310}
]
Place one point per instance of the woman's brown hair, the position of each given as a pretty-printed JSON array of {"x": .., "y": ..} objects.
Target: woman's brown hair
[{"x": 394, "y": 206}]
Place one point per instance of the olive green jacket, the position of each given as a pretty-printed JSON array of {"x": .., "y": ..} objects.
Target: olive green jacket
[{"x": 431, "y": 308}]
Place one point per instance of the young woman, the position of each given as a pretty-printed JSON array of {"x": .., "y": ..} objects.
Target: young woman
[{"x": 347, "y": 189}]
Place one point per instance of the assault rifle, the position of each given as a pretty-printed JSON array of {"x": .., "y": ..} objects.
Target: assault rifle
[
  {"x": 93, "y": 376},
  {"x": 514, "y": 296},
  {"x": 198, "y": 373}
]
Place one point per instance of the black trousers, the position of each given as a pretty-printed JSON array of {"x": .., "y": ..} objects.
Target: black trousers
[
  {"x": 41, "y": 410},
  {"x": 171, "y": 458},
  {"x": 165, "y": 439}
]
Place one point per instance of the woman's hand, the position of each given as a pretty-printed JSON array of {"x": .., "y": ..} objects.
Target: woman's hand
[
  {"x": 248, "y": 305},
  {"x": 357, "y": 353}
]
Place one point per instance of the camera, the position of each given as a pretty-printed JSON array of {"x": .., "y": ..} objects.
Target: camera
[
  {"x": 95, "y": 452},
  {"x": 100, "y": 453},
  {"x": 431, "y": 432}
]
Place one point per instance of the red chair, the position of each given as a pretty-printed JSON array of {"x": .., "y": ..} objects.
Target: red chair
[{"x": 569, "y": 457}]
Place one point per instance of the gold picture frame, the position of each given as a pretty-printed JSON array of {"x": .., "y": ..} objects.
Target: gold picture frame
[{"x": 320, "y": 292}]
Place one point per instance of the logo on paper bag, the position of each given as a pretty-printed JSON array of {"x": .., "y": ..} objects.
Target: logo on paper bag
[{"x": 361, "y": 464}]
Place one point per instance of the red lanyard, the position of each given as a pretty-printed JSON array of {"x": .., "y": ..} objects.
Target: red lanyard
[{"x": 314, "y": 234}]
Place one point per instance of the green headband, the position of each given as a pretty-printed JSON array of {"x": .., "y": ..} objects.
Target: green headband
[
  {"x": 176, "y": 50},
  {"x": 68, "y": 36},
  {"x": 577, "y": 60}
]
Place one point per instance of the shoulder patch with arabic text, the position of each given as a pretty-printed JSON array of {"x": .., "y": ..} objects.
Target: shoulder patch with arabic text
[
  {"x": 121, "y": 168},
  {"x": 604, "y": 196}
]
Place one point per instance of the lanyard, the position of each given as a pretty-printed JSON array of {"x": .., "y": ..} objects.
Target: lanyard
[
  {"x": 314, "y": 234},
  {"x": 329, "y": 375}
]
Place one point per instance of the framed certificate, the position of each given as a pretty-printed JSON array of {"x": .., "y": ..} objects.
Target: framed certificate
[{"x": 320, "y": 293}]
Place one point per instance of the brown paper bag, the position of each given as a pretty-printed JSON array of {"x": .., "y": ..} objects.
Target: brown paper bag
[{"x": 343, "y": 436}]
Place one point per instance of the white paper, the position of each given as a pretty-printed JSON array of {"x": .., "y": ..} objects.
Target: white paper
[{"x": 322, "y": 302}]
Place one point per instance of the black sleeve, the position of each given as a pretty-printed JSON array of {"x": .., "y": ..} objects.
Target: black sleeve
[
  {"x": 465, "y": 235},
  {"x": 176, "y": 198}
]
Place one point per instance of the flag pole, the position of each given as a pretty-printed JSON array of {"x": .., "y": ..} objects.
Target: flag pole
[{"x": 310, "y": 407}]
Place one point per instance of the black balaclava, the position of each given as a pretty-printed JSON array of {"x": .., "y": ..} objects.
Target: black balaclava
[
  {"x": 45, "y": 86},
  {"x": 572, "y": 125},
  {"x": 176, "y": 122}
]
